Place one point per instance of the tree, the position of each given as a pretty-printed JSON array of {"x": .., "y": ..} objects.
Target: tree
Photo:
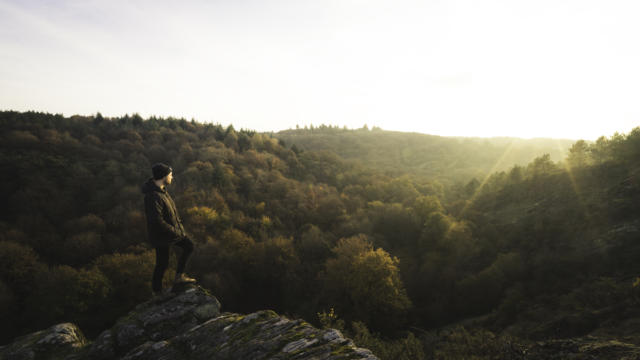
[
  {"x": 98, "y": 119},
  {"x": 201, "y": 221},
  {"x": 426, "y": 205},
  {"x": 81, "y": 248},
  {"x": 231, "y": 139},
  {"x": 579, "y": 155},
  {"x": 130, "y": 276},
  {"x": 601, "y": 151},
  {"x": 270, "y": 274},
  {"x": 244, "y": 142},
  {"x": 396, "y": 225},
  {"x": 19, "y": 265},
  {"x": 65, "y": 294},
  {"x": 541, "y": 165},
  {"x": 515, "y": 174},
  {"x": 8, "y": 308},
  {"x": 236, "y": 241},
  {"x": 365, "y": 284},
  {"x": 313, "y": 246}
]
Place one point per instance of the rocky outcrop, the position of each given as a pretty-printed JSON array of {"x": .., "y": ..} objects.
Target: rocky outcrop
[
  {"x": 60, "y": 341},
  {"x": 188, "y": 325},
  {"x": 588, "y": 347}
]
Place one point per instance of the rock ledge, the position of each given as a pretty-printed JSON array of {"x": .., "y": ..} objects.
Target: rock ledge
[{"x": 188, "y": 325}]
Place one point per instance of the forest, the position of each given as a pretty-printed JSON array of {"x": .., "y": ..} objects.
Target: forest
[
  {"x": 399, "y": 254},
  {"x": 446, "y": 159}
]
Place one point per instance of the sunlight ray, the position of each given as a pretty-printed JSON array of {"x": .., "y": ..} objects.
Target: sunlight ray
[
  {"x": 574, "y": 183},
  {"x": 496, "y": 166}
]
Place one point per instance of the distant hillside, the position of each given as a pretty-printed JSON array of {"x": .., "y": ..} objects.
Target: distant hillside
[{"x": 442, "y": 158}]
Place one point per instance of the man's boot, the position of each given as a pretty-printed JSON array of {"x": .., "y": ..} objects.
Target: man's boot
[{"x": 182, "y": 278}]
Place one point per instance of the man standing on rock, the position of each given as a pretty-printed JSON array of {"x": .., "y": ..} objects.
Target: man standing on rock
[{"x": 164, "y": 226}]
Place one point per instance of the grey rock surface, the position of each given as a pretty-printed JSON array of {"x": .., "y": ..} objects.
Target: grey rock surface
[
  {"x": 188, "y": 324},
  {"x": 588, "y": 347},
  {"x": 60, "y": 341}
]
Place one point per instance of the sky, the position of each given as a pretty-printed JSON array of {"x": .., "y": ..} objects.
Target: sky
[{"x": 545, "y": 68}]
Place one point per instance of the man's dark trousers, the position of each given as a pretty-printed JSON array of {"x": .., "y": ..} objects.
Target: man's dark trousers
[{"x": 162, "y": 261}]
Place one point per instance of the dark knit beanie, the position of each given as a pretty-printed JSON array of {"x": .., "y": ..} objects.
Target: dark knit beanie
[{"x": 160, "y": 170}]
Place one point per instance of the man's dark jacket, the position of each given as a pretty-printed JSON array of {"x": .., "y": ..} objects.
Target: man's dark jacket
[{"x": 164, "y": 226}]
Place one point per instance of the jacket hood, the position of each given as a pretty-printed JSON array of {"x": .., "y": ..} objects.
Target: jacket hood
[{"x": 150, "y": 186}]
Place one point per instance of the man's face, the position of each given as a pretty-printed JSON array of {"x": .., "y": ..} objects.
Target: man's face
[{"x": 168, "y": 178}]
